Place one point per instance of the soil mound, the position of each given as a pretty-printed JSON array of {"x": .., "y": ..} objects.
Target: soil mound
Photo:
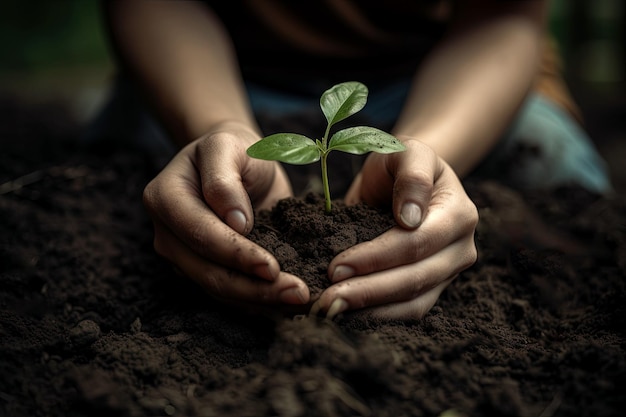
[{"x": 93, "y": 322}]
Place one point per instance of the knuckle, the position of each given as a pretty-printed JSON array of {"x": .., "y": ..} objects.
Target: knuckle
[
  {"x": 474, "y": 216},
  {"x": 213, "y": 190},
  {"x": 415, "y": 179},
  {"x": 197, "y": 236},
  {"x": 467, "y": 215},
  {"x": 376, "y": 260},
  {"x": 417, "y": 285},
  {"x": 421, "y": 177},
  {"x": 365, "y": 299},
  {"x": 418, "y": 245},
  {"x": 150, "y": 194},
  {"x": 213, "y": 283},
  {"x": 471, "y": 256},
  {"x": 356, "y": 295},
  {"x": 263, "y": 293},
  {"x": 468, "y": 256}
]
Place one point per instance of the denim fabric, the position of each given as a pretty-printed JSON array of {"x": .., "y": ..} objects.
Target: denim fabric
[
  {"x": 383, "y": 106},
  {"x": 544, "y": 147}
]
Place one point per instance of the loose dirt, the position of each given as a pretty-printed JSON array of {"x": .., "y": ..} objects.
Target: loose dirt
[{"x": 93, "y": 322}]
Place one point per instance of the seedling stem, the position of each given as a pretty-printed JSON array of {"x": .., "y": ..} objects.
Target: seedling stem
[{"x": 337, "y": 103}]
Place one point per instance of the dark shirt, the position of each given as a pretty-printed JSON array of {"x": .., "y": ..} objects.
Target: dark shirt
[{"x": 285, "y": 42}]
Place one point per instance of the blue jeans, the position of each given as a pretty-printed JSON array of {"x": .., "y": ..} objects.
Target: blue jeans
[{"x": 544, "y": 146}]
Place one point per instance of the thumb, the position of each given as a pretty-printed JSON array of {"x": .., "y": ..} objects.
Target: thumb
[
  {"x": 221, "y": 164},
  {"x": 415, "y": 177}
]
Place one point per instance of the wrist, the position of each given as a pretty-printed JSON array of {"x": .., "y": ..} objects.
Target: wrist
[
  {"x": 209, "y": 127},
  {"x": 459, "y": 151}
]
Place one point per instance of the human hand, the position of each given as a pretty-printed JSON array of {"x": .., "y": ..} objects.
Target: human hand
[
  {"x": 202, "y": 204},
  {"x": 400, "y": 274}
]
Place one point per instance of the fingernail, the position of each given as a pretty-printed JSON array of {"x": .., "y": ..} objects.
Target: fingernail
[
  {"x": 236, "y": 220},
  {"x": 342, "y": 272},
  {"x": 411, "y": 214},
  {"x": 315, "y": 308},
  {"x": 292, "y": 295},
  {"x": 337, "y": 307}
]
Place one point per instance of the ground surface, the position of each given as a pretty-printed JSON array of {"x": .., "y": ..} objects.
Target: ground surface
[{"x": 92, "y": 322}]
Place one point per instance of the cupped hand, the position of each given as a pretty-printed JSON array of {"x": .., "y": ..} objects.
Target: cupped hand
[
  {"x": 201, "y": 205},
  {"x": 401, "y": 273}
]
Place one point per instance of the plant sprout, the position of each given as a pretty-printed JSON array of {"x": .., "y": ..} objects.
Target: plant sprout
[{"x": 337, "y": 103}]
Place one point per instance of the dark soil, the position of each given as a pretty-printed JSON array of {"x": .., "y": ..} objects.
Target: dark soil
[
  {"x": 304, "y": 238},
  {"x": 93, "y": 322}
]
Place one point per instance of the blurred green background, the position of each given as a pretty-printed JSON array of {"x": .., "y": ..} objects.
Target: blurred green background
[
  {"x": 57, "y": 49},
  {"x": 54, "y": 51}
]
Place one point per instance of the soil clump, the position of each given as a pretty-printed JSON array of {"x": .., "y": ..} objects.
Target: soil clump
[{"x": 93, "y": 322}]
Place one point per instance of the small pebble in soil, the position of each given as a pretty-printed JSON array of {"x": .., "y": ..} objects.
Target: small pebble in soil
[
  {"x": 85, "y": 333},
  {"x": 135, "y": 326}
]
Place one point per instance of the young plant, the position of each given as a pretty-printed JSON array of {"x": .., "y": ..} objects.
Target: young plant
[{"x": 337, "y": 103}]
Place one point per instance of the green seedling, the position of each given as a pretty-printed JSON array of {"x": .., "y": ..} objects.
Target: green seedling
[{"x": 337, "y": 103}]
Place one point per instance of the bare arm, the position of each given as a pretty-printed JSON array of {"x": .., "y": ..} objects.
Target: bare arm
[
  {"x": 202, "y": 202},
  {"x": 468, "y": 90},
  {"x": 183, "y": 58},
  {"x": 462, "y": 99}
]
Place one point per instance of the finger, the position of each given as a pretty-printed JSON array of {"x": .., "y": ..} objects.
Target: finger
[
  {"x": 446, "y": 222},
  {"x": 416, "y": 171},
  {"x": 228, "y": 285},
  {"x": 402, "y": 283},
  {"x": 231, "y": 180},
  {"x": 202, "y": 231},
  {"x": 413, "y": 309},
  {"x": 219, "y": 166}
]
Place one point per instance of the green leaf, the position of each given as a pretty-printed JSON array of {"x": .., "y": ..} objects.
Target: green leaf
[
  {"x": 285, "y": 147},
  {"x": 363, "y": 139},
  {"x": 343, "y": 100}
]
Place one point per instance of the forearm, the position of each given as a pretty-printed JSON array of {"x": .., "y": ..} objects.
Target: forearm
[
  {"x": 184, "y": 62},
  {"x": 468, "y": 90}
]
